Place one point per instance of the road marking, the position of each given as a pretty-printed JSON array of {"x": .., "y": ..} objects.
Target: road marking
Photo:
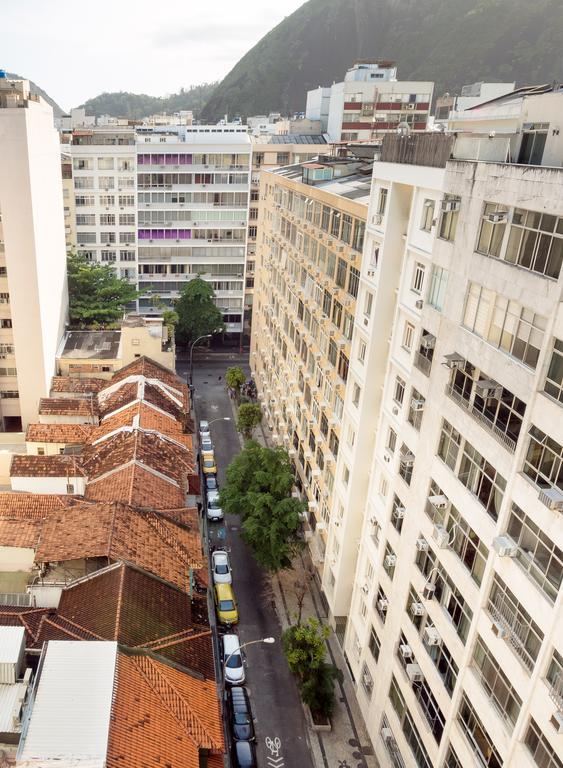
[{"x": 275, "y": 760}]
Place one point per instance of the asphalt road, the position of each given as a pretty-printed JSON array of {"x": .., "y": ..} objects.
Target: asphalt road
[{"x": 279, "y": 720}]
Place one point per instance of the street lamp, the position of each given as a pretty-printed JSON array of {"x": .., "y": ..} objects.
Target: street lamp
[
  {"x": 222, "y": 418},
  {"x": 267, "y": 640},
  {"x": 205, "y": 336}
]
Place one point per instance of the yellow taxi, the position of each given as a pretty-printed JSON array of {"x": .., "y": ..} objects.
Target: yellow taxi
[
  {"x": 208, "y": 465},
  {"x": 226, "y": 605}
]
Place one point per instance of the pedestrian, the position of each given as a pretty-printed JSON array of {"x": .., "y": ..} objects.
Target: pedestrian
[{"x": 219, "y": 379}]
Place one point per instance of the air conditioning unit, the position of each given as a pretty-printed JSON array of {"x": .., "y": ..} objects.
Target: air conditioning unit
[
  {"x": 383, "y": 604},
  {"x": 395, "y": 411},
  {"x": 417, "y": 609},
  {"x": 499, "y": 630},
  {"x": 422, "y": 545},
  {"x": 390, "y": 561},
  {"x": 557, "y": 721},
  {"x": 417, "y": 404},
  {"x": 428, "y": 341},
  {"x": 504, "y": 546},
  {"x": 407, "y": 459},
  {"x": 450, "y": 206},
  {"x": 399, "y": 512},
  {"x": 414, "y": 673},
  {"x": 496, "y": 216},
  {"x": 367, "y": 681},
  {"x": 419, "y": 303},
  {"x": 431, "y": 636},
  {"x": 552, "y": 498},
  {"x": 410, "y": 106},
  {"x": 428, "y": 591},
  {"x": 373, "y": 520},
  {"x": 406, "y": 651},
  {"x": 488, "y": 389},
  {"x": 441, "y": 536},
  {"x": 439, "y": 502},
  {"x": 365, "y": 588},
  {"x": 453, "y": 360}
]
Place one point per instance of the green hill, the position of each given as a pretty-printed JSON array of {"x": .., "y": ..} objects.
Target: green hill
[
  {"x": 138, "y": 105},
  {"x": 452, "y": 42}
]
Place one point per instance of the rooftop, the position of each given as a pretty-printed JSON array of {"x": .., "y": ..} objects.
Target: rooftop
[
  {"x": 345, "y": 177},
  {"x": 71, "y": 385},
  {"x": 88, "y": 345},
  {"x": 59, "y": 465},
  {"x": 66, "y": 406},
  {"x": 71, "y": 434},
  {"x": 291, "y": 138}
]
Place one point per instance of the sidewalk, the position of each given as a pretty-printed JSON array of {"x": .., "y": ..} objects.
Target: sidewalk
[{"x": 347, "y": 745}]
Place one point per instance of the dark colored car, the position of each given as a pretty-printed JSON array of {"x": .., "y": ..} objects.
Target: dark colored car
[
  {"x": 211, "y": 483},
  {"x": 240, "y": 714},
  {"x": 244, "y": 755}
]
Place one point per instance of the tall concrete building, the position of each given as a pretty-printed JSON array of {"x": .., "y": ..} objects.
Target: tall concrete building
[
  {"x": 312, "y": 224},
  {"x": 445, "y": 551},
  {"x": 33, "y": 295},
  {"x": 370, "y": 102}
]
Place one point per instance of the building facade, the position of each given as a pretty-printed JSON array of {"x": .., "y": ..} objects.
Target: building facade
[
  {"x": 33, "y": 296},
  {"x": 312, "y": 223},
  {"x": 444, "y": 556}
]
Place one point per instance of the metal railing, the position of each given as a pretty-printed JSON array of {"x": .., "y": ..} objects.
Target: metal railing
[
  {"x": 556, "y": 692},
  {"x": 506, "y": 616},
  {"x": 15, "y": 599},
  {"x": 479, "y": 416},
  {"x": 423, "y": 363}
]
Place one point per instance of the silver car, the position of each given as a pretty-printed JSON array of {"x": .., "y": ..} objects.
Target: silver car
[{"x": 221, "y": 567}]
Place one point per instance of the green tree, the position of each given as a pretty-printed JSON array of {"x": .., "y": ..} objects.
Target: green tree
[
  {"x": 258, "y": 487},
  {"x": 197, "y": 314},
  {"x": 97, "y": 296},
  {"x": 234, "y": 379},
  {"x": 249, "y": 416}
]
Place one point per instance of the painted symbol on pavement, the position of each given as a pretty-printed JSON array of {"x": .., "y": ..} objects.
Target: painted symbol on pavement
[
  {"x": 221, "y": 533},
  {"x": 274, "y": 759},
  {"x": 343, "y": 764}
]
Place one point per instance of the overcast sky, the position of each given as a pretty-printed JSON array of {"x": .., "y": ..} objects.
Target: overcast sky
[{"x": 75, "y": 50}]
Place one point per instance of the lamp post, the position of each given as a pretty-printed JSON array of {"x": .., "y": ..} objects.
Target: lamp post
[
  {"x": 205, "y": 336},
  {"x": 221, "y": 418}
]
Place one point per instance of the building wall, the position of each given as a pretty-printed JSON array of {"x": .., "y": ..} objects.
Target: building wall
[{"x": 49, "y": 484}]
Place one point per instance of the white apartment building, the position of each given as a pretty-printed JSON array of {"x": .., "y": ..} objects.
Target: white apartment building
[
  {"x": 445, "y": 548},
  {"x": 370, "y": 102},
  {"x": 33, "y": 296},
  {"x": 164, "y": 204}
]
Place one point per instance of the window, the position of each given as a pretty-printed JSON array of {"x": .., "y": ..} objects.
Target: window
[
  {"x": 544, "y": 461},
  {"x": 374, "y": 644},
  {"x": 482, "y": 480},
  {"x": 541, "y": 750},
  {"x": 452, "y": 760},
  {"x": 449, "y": 218},
  {"x": 537, "y": 554},
  {"x": 252, "y": 232},
  {"x": 438, "y": 284},
  {"x": 381, "y": 604},
  {"x": 397, "y": 513},
  {"x": 126, "y": 200},
  {"x": 345, "y": 475},
  {"x": 391, "y": 441},
  {"x": 382, "y": 201},
  {"x": 427, "y": 220},
  {"x": 107, "y": 219},
  {"x": 341, "y": 272},
  {"x": 408, "y": 336},
  {"x": 408, "y": 727},
  {"x": 389, "y": 561},
  {"x": 108, "y": 255},
  {"x": 85, "y": 219},
  {"x": 356, "y": 392},
  {"x": 554, "y": 378},
  {"x": 554, "y": 677},
  {"x": 333, "y": 443},
  {"x": 346, "y": 231},
  {"x": 495, "y": 683},
  {"x": 106, "y": 182},
  {"x": 406, "y": 464},
  {"x": 399, "y": 391},
  {"x": 535, "y": 242},
  {"x": 418, "y": 278},
  {"x": 444, "y": 663},
  {"x": 509, "y": 326},
  {"x": 343, "y": 364},
  {"x": 348, "y": 326},
  {"x": 126, "y": 255},
  {"x": 491, "y": 232},
  {"x": 105, "y": 163},
  {"x": 336, "y": 313},
  {"x": 416, "y": 409},
  {"x": 107, "y": 237},
  {"x": 449, "y": 444},
  {"x": 126, "y": 237},
  {"x": 522, "y": 633},
  {"x": 83, "y": 164},
  {"x": 350, "y": 436},
  {"x": 353, "y": 282},
  {"x": 362, "y": 351},
  {"x": 126, "y": 219},
  {"x": 477, "y": 736},
  {"x": 359, "y": 233},
  {"x": 368, "y": 304}
]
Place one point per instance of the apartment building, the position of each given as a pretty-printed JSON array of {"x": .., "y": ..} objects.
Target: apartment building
[
  {"x": 445, "y": 546},
  {"x": 312, "y": 223},
  {"x": 33, "y": 298},
  {"x": 163, "y": 204},
  {"x": 271, "y": 152},
  {"x": 370, "y": 102}
]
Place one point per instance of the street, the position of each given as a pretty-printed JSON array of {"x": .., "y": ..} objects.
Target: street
[{"x": 279, "y": 719}]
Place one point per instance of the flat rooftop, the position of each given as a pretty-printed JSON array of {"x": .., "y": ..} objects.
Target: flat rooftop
[{"x": 90, "y": 345}]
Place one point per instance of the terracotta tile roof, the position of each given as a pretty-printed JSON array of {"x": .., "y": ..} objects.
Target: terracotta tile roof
[
  {"x": 19, "y": 533},
  {"x": 145, "y": 366},
  {"x": 120, "y": 394},
  {"x": 28, "y": 618},
  {"x": 58, "y": 465},
  {"x": 138, "y": 487},
  {"x": 30, "y": 506},
  {"x": 71, "y": 434},
  {"x": 162, "y": 716},
  {"x": 67, "y": 406},
  {"x": 68, "y": 384},
  {"x": 144, "y": 416},
  {"x": 120, "y": 532}
]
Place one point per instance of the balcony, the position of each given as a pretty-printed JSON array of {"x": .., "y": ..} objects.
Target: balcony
[
  {"x": 423, "y": 363},
  {"x": 505, "y": 440}
]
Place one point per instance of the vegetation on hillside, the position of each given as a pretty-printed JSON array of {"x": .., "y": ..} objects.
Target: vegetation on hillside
[{"x": 139, "y": 105}]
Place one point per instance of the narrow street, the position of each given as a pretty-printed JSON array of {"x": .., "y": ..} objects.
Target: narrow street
[{"x": 279, "y": 719}]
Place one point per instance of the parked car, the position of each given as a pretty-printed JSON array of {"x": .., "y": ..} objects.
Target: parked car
[
  {"x": 221, "y": 567},
  {"x": 233, "y": 664},
  {"x": 244, "y": 755},
  {"x": 211, "y": 483},
  {"x": 206, "y": 445},
  {"x": 214, "y": 511},
  {"x": 204, "y": 429},
  {"x": 208, "y": 465},
  {"x": 240, "y": 715},
  {"x": 226, "y": 605}
]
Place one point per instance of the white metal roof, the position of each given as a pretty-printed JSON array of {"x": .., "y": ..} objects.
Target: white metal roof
[
  {"x": 71, "y": 714},
  {"x": 11, "y": 639},
  {"x": 10, "y": 700}
]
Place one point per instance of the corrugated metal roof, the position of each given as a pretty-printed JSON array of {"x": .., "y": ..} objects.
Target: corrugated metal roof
[
  {"x": 11, "y": 639},
  {"x": 10, "y": 700},
  {"x": 71, "y": 714}
]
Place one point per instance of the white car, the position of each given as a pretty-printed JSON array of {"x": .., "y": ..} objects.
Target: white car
[
  {"x": 221, "y": 567},
  {"x": 214, "y": 511},
  {"x": 204, "y": 429},
  {"x": 206, "y": 444},
  {"x": 232, "y": 660}
]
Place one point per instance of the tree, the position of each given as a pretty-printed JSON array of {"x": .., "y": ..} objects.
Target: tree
[
  {"x": 249, "y": 416},
  {"x": 258, "y": 487},
  {"x": 97, "y": 296},
  {"x": 197, "y": 314},
  {"x": 234, "y": 379}
]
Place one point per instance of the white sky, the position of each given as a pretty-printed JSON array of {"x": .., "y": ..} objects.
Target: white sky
[{"x": 75, "y": 50}]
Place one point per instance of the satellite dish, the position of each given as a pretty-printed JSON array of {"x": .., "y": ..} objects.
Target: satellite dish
[{"x": 403, "y": 129}]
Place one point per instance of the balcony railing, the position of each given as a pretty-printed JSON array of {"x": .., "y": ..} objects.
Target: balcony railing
[
  {"x": 479, "y": 416},
  {"x": 423, "y": 363},
  {"x": 15, "y": 599},
  {"x": 429, "y": 149},
  {"x": 507, "y": 618},
  {"x": 556, "y": 692}
]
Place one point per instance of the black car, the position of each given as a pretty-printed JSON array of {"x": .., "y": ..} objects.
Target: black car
[
  {"x": 240, "y": 714},
  {"x": 211, "y": 483},
  {"x": 244, "y": 755}
]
